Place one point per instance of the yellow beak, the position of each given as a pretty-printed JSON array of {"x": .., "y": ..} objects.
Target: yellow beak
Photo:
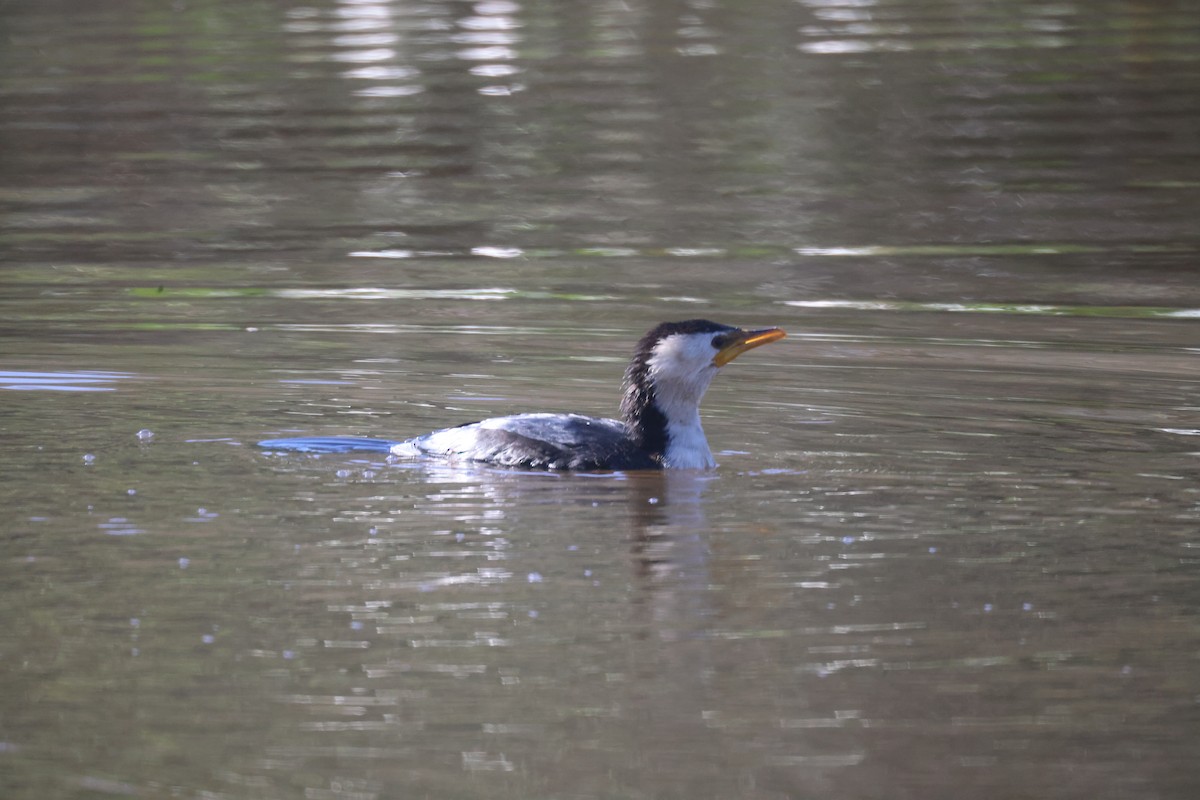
[{"x": 741, "y": 341}]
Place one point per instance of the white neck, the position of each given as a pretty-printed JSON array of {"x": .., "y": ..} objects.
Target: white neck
[
  {"x": 686, "y": 446},
  {"x": 681, "y": 368}
]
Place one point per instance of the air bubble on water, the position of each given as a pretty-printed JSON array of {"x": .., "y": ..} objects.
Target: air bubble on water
[
  {"x": 145, "y": 435},
  {"x": 89, "y": 459}
]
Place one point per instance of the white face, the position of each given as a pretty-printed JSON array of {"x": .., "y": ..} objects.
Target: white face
[{"x": 682, "y": 368}]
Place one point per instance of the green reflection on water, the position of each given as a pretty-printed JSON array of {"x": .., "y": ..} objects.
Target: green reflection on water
[
  {"x": 362, "y": 293},
  {"x": 1143, "y": 312},
  {"x": 196, "y": 291}
]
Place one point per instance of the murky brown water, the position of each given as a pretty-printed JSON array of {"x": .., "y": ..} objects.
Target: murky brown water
[{"x": 952, "y": 548}]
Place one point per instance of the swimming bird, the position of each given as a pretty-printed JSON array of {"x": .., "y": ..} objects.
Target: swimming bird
[{"x": 671, "y": 368}]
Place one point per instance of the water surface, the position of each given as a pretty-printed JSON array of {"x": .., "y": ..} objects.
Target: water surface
[{"x": 951, "y": 549}]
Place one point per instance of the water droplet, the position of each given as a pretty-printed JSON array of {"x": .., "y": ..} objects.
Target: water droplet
[
  {"x": 183, "y": 562},
  {"x": 535, "y": 577},
  {"x": 89, "y": 459},
  {"x": 145, "y": 434}
]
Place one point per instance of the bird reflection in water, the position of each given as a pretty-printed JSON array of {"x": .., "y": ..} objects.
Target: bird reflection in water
[{"x": 670, "y": 549}]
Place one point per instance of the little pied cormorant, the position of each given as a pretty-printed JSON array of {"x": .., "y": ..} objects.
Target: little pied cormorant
[{"x": 671, "y": 369}]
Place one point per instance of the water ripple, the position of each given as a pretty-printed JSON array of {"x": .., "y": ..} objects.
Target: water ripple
[
  {"x": 73, "y": 381},
  {"x": 1034, "y": 309}
]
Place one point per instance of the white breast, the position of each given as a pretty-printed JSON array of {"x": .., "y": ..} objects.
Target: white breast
[{"x": 687, "y": 448}]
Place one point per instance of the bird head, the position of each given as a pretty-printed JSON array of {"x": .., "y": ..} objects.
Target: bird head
[{"x": 674, "y": 364}]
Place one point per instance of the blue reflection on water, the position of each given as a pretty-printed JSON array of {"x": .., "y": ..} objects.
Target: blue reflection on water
[
  {"x": 329, "y": 444},
  {"x": 71, "y": 381}
]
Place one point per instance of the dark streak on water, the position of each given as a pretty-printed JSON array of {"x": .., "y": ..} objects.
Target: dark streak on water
[{"x": 950, "y": 551}]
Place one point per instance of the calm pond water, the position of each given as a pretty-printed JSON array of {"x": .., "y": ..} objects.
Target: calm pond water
[{"x": 953, "y": 546}]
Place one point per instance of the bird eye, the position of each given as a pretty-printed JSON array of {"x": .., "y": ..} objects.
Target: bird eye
[{"x": 720, "y": 340}]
